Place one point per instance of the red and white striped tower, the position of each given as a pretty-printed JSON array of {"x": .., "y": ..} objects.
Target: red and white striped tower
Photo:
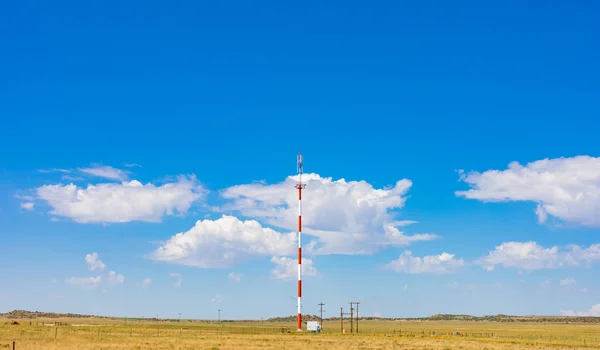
[{"x": 300, "y": 186}]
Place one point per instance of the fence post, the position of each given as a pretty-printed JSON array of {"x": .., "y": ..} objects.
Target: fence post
[
  {"x": 55, "y": 332},
  {"x": 14, "y": 345}
]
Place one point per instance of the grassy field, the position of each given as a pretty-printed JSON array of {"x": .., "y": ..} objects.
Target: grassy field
[{"x": 95, "y": 333}]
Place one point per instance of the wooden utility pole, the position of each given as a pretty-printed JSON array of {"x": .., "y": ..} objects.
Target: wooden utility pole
[
  {"x": 351, "y": 317},
  {"x": 357, "y": 317},
  {"x": 342, "y": 313},
  {"x": 341, "y": 320},
  {"x": 321, "y": 310}
]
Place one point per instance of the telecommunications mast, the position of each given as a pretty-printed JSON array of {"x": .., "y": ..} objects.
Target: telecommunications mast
[{"x": 300, "y": 186}]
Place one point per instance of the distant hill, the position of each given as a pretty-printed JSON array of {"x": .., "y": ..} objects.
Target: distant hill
[
  {"x": 24, "y": 314},
  {"x": 450, "y": 317},
  {"x": 502, "y": 318},
  {"x": 507, "y": 318},
  {"x": 293, "y": 318}
]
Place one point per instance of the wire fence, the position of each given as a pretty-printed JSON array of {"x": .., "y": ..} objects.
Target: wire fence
[
  {"x": 530, "y": 339},
  {"x": 122, "y": 332}
]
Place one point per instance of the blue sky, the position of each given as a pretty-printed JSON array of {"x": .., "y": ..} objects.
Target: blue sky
[{"x": 191, "y": 100}]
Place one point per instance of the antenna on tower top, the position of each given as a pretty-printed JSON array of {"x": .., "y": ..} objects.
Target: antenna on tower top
[{"x": 300, "y": 165}]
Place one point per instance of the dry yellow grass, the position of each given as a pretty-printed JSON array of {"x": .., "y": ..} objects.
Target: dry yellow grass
[{"x": 116, "y": 334}]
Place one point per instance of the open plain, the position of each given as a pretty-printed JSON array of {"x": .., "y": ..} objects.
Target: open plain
[{"x": 107, "y": 333}]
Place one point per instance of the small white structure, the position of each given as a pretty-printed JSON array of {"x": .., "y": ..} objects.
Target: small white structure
[{"x": 313, "y": 326}]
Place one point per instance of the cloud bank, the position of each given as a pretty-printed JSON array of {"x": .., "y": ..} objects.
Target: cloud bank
[
  {"x": 565, "y": 188},
  {"x": 287, "y": 268},
  {"x": 435, "y": 264},
  {"x": 223, "y": 242},
  {"x": 531, "y": 256},
  {"x": 124, "y": 202},
  {"x": 593, "y": 311},
  {"x": 345, "y": 217}
]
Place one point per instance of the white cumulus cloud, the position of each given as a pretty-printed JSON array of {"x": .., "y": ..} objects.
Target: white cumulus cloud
[
  {"x": 217, "y": 299},
  {"x": 124, "y": 202},
  {"x": 345, "y": 217},
  {"x": 565, "y": 188},
  {"x": 115, "y": 278},
  {"x": 223, "y": 242},
  {"x": 106, "y": 172},
  {"x": 287, "y": 268},
  {"x": 593, "y": 311},
  {"x": 94, "y": 263},
  {"x": 27, "y": 206},
  {"x": 146, "y": 282},
  {"x": 435, "y": 264},
  {"x": 236, "y": 277},
  {"x": 531, "y": 256}
]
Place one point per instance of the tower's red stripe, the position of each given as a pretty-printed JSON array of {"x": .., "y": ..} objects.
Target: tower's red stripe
[
  {"x": 299, "y": 288},
  {"x": 299, "y": 223},
  {"x": 300, "y": 256}
]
